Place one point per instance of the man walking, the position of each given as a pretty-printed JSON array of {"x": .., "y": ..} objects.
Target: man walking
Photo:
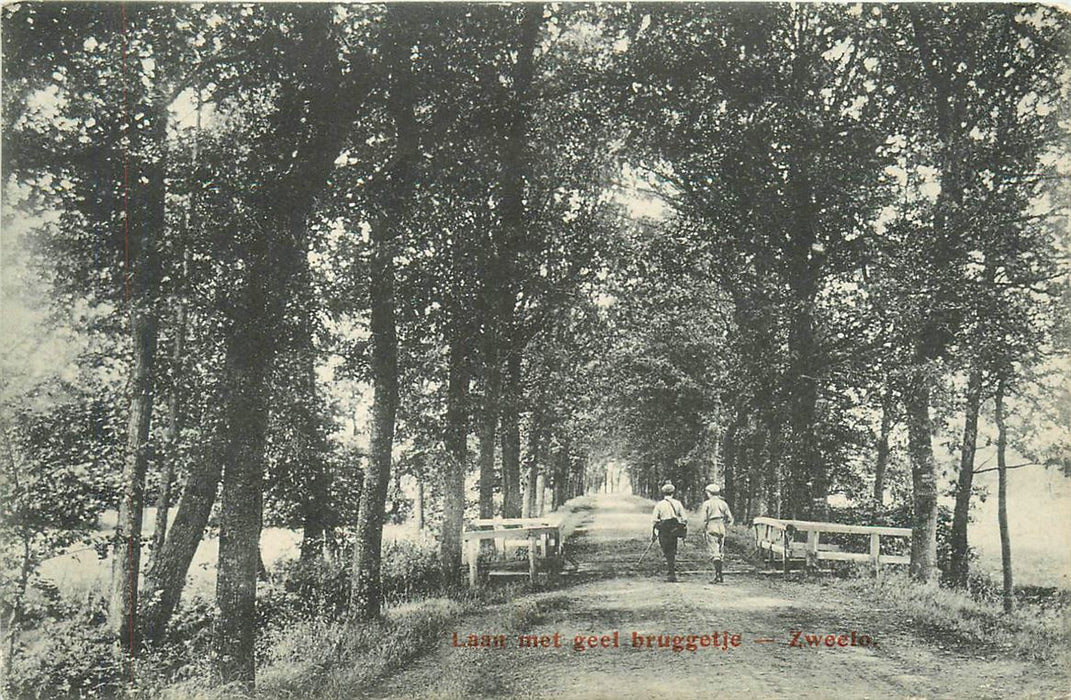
[
  {"x": 668, "y": 521},
  {"x": 716, "y": 517}
]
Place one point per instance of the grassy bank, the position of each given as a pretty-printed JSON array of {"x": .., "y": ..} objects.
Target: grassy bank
[{"x": 1039, "y": 631}]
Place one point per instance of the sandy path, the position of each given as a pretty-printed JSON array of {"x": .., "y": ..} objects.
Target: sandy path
[{"x": 620, "y": 598}]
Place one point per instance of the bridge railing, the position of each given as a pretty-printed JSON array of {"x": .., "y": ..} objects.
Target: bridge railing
[
  {"x": 540, "y": 536},
  {"x": 778, "y": 537}
]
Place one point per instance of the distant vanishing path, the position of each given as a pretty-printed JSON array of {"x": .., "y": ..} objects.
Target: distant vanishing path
[{"x": 755, "y": 606}]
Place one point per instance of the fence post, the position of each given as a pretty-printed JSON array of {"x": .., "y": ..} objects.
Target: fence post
[
  {"x": 474, "y": 556},
  {"x": 533, "y": 539},
  {"x": 812, "y": 549},
  {"x": 786, "y": 540},
  {"x": 875, "y": 552}
]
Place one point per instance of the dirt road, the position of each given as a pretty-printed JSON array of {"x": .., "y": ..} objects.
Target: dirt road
[{"x": 756, "y": 658}]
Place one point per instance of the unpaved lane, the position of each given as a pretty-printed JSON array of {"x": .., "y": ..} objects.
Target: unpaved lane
[{"x": 628, "y": 600}]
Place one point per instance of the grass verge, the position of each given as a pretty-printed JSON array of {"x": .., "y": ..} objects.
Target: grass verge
[
  {"x": 1041, "y": 634},
  {"x": 337, "y": 660}
]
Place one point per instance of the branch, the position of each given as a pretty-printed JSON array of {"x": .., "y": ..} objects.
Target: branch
[
  {"x": 1013, "y": 466},
  {"x": 209, "y": 62}
]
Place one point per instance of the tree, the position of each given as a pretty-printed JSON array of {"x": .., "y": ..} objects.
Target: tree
[
  {"x": 986, "y": 144},
  {"x": 777, "y": 186},
  {"x": 296, "y": 153},
  {"x": 392, "y": 215}
]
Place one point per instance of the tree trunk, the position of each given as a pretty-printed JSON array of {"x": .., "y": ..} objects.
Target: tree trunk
[
  {"x": 541, "y": 495},
  {"x": 419, "y": 505},
  {"x": 14, "y": 621},
  {"x": 174, "y": 421},
  {"x": 805, "y": 470},
  {"x": 315, "y": 507},
  {"x": 1002, "y": 500},
  {"x": 456, "y": 443},
  {"x": 760, "y": 468},
  {"x": 941, "y": 316},
  {"x": 535, "y": 442},
  {"x": 250, "y": 353},
  {"x": 511, "y": 439},
  {"x": 732, "y": 481},
  {"x": 144, "y": 228},
  {"x": 774, "y": 465},
  {"x": 489, "y": 423},
  {"x": 308, "y": 455},
  {"x": 314, "y": 525},
  {"x": 561, "y": 477},
  {"x": 503, "y": 343},
  {"x": 958, "y": 563},
  {"x": 366, "y": 595},
  {"x": 310, "y": 118},
  {"x": 166, "y": 577},
  {"x": 174, "y": 425},
  {"x": 923, "y": 565},
  {"x": 881, "y": 461}
]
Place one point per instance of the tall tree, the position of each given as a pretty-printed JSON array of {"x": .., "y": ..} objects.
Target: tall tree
[
  {"x": 986, "y": 135},
  {"x": 297, "y": 154},
  {"x": 392, "y": 216}
]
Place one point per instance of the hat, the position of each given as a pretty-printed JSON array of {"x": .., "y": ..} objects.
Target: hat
[
  {"x": 668, "y": 489},
  {"x": 713, "y": 488}
]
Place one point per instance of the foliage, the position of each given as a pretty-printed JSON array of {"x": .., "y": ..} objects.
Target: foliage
[{"x": 75, "y": 657}]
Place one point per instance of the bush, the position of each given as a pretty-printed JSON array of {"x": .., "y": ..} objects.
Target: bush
[
  {"x": 307, "y": 590},
  {"x": 411, "y": 570},
  {"x": 72, "y": 659}
]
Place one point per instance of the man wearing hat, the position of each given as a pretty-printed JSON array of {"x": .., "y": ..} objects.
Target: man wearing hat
[
  {"x": 716, "y": 516},
  {"x": 667, "y": 518}
]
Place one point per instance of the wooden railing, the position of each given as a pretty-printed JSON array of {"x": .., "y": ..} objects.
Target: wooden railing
[
  {"x": 774, "y": 536},
  {"x": 541, "y": 537}
]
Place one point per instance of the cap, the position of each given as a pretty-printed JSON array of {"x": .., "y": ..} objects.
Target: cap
[
  {"x": 713, "y": 488},
  {"x": 668, "y": 489}
]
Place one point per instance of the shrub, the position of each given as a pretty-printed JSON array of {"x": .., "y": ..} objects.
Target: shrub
[
  {"x": 306, "y": 590},
  {"x": 71, "y": 659},
  {"x": 321, "y": 588},
  {"x": 410, "y": 570}
]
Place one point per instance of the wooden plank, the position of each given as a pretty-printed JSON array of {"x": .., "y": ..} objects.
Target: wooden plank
[
  {"x": 843, "y": 556},
  {"x": 808, "y": 525},
  {"x": 863, "y": 557},
  {"x": 496, "y": 523},
  {"x": 875, "y": 552},
  {"x": 895, "y": 559},
  {"x": 503, "y": 534}
]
